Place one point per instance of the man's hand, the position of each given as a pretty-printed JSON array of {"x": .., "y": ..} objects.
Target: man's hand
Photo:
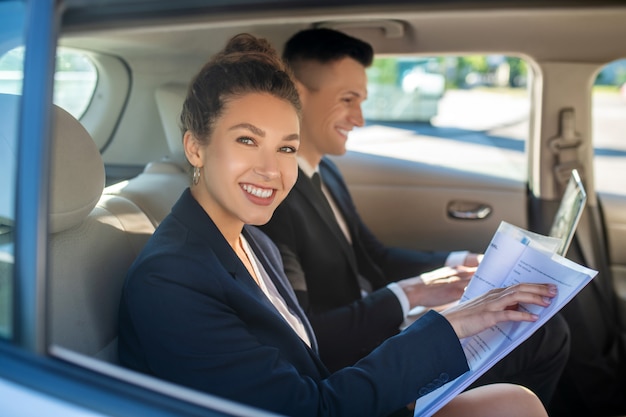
[
  {"x": 473, "y": 259},
  {"x": 439, "y": 287}
]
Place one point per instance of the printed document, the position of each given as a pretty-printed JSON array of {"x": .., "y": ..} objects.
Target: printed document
[{"x": 513, "y": 256}]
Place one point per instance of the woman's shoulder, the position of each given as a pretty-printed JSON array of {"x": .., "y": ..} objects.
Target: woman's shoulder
[
  {"x": 175, "y": 265},
  {"x": 174, "y": 248}
]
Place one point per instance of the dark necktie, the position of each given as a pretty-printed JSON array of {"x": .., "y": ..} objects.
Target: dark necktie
[{"x": 316, "y": 178}]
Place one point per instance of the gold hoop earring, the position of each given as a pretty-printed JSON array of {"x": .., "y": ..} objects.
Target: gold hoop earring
[{"x": 196, "y": 175}]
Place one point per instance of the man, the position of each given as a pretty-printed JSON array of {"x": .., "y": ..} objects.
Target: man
[{"x": 356, "y": 291}]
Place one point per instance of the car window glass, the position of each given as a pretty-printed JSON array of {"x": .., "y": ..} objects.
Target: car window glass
[
  {"x": 12, "y": 22},
  {"x": 74, "y": 80},
  {"x": 457, "y": 111},
  {"x": 609, "y": 125}
]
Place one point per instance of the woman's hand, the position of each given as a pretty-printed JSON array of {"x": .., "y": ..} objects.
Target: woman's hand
[{"x": 496, "y": 306}]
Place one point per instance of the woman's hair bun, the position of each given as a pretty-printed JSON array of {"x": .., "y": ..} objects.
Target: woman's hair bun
[
  {"x": 244, "y": 42},
  {"x": 248, "y": 47}
]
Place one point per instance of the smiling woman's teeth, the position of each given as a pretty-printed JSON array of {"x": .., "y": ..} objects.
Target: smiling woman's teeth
[{"x": 257, "y": 192}]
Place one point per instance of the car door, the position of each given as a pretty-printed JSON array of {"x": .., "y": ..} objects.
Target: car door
[
  {"x": 614, "y": 209},
  {"x": 429, "y": 207},
  {"x": 609, "y": 122}
]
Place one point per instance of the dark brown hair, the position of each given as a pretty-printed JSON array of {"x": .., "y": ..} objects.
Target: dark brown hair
[
  {"x": 324, "y": 46},
  {"x": 246, "y": 65}
]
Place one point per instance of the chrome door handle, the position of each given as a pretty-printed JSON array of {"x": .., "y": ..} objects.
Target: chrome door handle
[{"x": 468, "y": 210}]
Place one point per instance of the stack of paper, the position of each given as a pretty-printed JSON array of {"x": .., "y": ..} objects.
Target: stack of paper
[{"x": 513, "y": 256}]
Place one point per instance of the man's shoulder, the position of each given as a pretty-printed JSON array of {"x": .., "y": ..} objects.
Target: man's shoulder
[
  {"x": 328, "y": 165},
  {"x": 296, "y": 195},
  {"x": 290, "y": 213}
]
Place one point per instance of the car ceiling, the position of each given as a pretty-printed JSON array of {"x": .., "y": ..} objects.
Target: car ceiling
[{"x": 563, "y": 32}]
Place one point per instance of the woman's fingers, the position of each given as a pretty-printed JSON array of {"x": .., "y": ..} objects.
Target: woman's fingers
[
  {"x": 497, "y": 306},
  {"x": 538, "y": 294}
]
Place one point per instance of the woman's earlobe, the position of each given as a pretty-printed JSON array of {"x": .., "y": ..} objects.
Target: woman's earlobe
[{"x": 192, "y": 149}]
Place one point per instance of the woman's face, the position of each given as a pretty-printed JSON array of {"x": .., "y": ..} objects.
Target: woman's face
[{"x": 249, "y": 164}]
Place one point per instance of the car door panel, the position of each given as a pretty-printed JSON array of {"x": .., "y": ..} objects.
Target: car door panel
[
  {"x": 614, "y": 211},
  {"x": 407, "y": 203}
]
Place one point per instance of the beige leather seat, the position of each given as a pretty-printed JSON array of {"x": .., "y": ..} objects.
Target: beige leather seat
[
  {"x": 92, "y": 242},
  {"x": 161, "y": 183}
]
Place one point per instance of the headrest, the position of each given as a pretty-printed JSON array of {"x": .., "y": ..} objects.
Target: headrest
[
  {"x": 169, "y": 100},
  {"x": 77, "y": 172}
]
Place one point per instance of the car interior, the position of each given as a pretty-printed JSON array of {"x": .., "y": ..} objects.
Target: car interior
[
  {"x": 117, "y": 169},
  {"x": 85, "y": 289}
]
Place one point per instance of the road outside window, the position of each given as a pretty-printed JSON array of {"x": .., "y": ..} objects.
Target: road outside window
[
  {"x": 609, "y": 128},
  {"x": 74, "y": 80},
  {"x": 468, "y": 112}
]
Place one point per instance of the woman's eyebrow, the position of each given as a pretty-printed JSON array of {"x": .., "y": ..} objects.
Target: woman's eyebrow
[
  {"x": 260, "y": 132},
  {"x": 250, "y": 127}
]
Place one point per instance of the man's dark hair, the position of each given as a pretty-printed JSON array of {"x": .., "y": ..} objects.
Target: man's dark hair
[{"x": 326, "y": 45}]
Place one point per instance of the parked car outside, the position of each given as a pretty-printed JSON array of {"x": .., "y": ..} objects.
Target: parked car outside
[{"x": 403, "y": 89}]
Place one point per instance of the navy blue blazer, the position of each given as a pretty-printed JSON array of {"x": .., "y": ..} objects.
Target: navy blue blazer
[
  {"x": 323, "y": 267},
  {"x": 191, "y": 314}
]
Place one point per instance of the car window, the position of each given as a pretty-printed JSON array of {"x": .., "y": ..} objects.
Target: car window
[
  {"x": 12, "y": 21},
  {"x": 74, "y": 80},
  {"x": 609, "y": 125},
  {"x": 417, "y": 107}
]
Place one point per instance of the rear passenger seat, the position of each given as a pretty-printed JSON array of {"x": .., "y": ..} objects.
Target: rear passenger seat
[
  {"x": 96, "y": 233},
  {"x": 161, "y": 183},
  {"x": 93, "y": 240}
]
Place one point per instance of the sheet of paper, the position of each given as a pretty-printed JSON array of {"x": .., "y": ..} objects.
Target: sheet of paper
[
  {"x": 509, "y": 260},
  {"x": 503, "y": 251}
]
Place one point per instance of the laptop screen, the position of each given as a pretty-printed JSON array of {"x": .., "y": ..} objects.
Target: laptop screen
[{"x": 569, "y": 212}]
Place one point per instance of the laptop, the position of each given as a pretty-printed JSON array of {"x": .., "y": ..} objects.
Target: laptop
[{"x": 569, "y": 212}]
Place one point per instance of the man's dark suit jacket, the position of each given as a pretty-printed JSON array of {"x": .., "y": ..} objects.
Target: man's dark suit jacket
[
  {"x": 347, "y": 326},
  {"x": 191, "y": 313},
  {"x": 323, "y": 267}
]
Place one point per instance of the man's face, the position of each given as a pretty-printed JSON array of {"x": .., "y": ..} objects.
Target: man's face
[{"x": 331, "y": 106}]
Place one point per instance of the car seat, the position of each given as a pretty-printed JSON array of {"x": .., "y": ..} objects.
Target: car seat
[
  {"x": 162, "y": 182},
  {"x": 93, "y": 239}
]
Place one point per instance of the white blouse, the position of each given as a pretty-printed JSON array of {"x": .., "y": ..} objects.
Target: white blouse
[{"x": 269, "y": 289}]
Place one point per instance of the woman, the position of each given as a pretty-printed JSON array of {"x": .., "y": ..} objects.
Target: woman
[{"x": 206, "y": 304}]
